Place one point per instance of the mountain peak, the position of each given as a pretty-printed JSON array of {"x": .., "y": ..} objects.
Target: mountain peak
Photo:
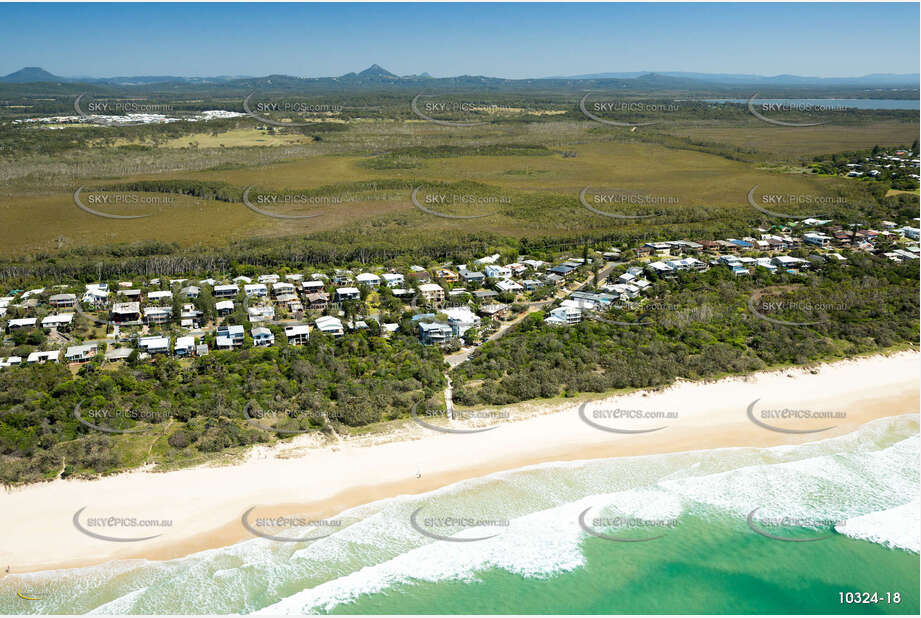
[
  {"x": 30, "y": 74},
  {"x": 375, "y": 70}
]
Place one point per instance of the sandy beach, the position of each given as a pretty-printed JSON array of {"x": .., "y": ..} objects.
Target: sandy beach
[{"x": 204, "y": 505}]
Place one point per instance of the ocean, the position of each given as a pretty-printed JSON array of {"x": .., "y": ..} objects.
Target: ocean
[{"x": 791, "y": 529}]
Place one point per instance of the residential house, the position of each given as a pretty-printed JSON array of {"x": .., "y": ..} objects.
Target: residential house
[
  {"x": 564, "y": 315},
  {"x": 312, "y": 285},
  {"x": 563, "y": 270},
  {"x": 62, "y": 301},
  {"x": 509, "y": 286},
  {"x": 21, "y": 323},
  {"x": 393, "y": 280},
  {"x": 317, "y": 301},
  {"x": 461, "y": 319},
  {"x": 61, "y": 321},
  {"x": 494, "y": 271},
  {"x": 226, "y": 291},
  {"x": 531, "y": 284},
  {"x": 817, "y": 238},
  {"x": 184, "y": 346},
  {"x": 348, "y": 293},
  {"x": 368, "y": 279},
  {"x": 125, "y": 312},
  {"x": 494, "y": 310},
  {"x": 272, "y": 278},
  {"x": 261, "y": 314},
  {"x": 329, "y": 325},
  {"x": 157, "y": 315},
  {"x": 81, "y": 353},
  {"x": 472, "y": 276},
  {"x": 256, "y": 290},
  {"x": 159, "y": 296},
  {"x": 43, "y": 357},
  {"x": 283, "y": 288},
  {"x": 234, "y": 332},
  {"x": 154, "y": 345},
  {"x": 263, "y": 337},
  {"x": 223, "y": 307},
  {"x": 482, "y": 295},
  {"x": 447, "y": 275},
  {"x": 432, "y": 292},
  {"x": 420, "y": 276},
  {"x": 190, "y": 291},
  {"x": 435, "y": 333}
]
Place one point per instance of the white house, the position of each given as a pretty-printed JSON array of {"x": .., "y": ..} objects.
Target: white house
[
  {"x": 283, "y": 287},
  {"x": 157, "y": 296},
  {"x": 61, "y": 320},
  {"x": 507, "y": 285},
  {"x": 329, "y": 325},
  {"x": 461, "y": 319},
  {"x": 256, "y": 290},
  {"x": 226, "y": 291},
  {"x": 154, "y": 345},
  {"x": 494, "y": 271},
  {"x": 80, "y": 353},
  {"x": 184, "y": 346},
  {"x": 262, "y": 336},
  {"x": 393, "y": 280},
  {"x": 18, "y": 323},
  {"x": 42, "y": 357},
  {"x": 347, "y": 293},
  {"x": 369, "y": 279},
  {"x": 567, "y": 314},
  {"x": 224, "y": 307},
  {"x": 297, "y": 334}
]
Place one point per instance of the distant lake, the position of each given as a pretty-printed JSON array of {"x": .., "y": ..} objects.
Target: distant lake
[{"x": 834, "y": 103}]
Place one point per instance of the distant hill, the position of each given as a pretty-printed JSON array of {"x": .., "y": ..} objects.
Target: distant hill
[
  {"x": 875, "y": 79},
  {"x": 30, "y": 75},
  {"x": 376, "y": 77}
]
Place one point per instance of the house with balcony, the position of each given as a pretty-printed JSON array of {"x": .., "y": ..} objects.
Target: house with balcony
[
  {"x": 435, "y": 333},
  {"x": 263, "y": 337}
]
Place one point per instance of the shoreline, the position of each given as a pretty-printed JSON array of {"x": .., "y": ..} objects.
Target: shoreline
[{"x": 205, "y": 504}]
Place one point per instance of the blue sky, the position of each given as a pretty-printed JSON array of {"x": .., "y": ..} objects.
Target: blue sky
[{"x": 501, "y": 40}]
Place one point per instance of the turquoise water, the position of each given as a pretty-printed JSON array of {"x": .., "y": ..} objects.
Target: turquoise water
[
  {"x": 708, "y": 567},
  {"x": 706, "y": 558}
]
